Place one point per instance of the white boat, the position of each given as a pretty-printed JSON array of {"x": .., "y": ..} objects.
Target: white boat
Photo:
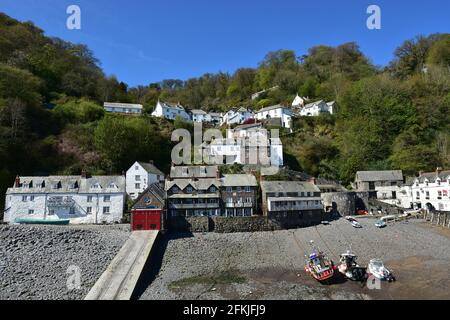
[
  {"x": 380, "y": 224},
  {"x": 378, "y": 270},
  {"x": 356, "y": 224},
  {"x": 350, "y": 268}
]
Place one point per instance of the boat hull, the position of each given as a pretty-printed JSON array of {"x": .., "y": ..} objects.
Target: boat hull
[
  {"x": 59, "y": 222},
  {"x": 322, "y": 276}
]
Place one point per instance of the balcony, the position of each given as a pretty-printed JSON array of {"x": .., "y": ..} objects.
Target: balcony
[
  {"x": 239, "y": 205},
  {"x": 60, "y": 202},
  {"x": 194, "y": 205}
]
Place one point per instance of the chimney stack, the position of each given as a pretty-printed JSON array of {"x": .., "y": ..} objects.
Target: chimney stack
[
  {"x": 421, "y": 173},
  {"x": 313, "y": 180},
  {"x": 438, "y": 170},
  {"x": 83, "y": 174},
  {"x": 151, "y": 161},
  {"x": 17, "y": 182}
]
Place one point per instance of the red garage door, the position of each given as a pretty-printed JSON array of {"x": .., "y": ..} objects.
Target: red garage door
[{"x": 146, "y": 220}]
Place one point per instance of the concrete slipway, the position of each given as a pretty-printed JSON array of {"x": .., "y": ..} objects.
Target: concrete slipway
[{"x": 121, "y": 277}]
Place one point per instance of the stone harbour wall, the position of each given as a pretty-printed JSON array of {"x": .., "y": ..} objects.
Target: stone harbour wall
[
  {"x": 345, "y": 203},
  {"x": 246, "y": 224}
]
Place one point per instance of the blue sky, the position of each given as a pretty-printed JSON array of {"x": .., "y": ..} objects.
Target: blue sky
[{"x": 144, "y": 41}]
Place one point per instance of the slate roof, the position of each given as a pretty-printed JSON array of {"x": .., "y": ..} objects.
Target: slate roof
[
  {"x": 69, "y": 184},
  {"x": 278, "y": 106},
  {"x": 194, "y": 172},
  {"x": 172, "y": 106},
  {"x": 156, "y": 190},
  {"x": 248, "y": 126},
  {"x": 201, "y": 184},
  {"x": 151, "y": 168},
  {"x": 387, "y": 175},
  {"x": 288, "y": 186},
  {"x": 312, "y": 104},
  {"x": 198, "y": 111},
  {"x": 123, "y": 105},
  {"x": 239, "y": 180},
  {"x": 432, "y": 176}
]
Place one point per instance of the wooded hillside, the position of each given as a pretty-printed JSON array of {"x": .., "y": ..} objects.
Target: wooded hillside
[{"x": 51, "y": 119}]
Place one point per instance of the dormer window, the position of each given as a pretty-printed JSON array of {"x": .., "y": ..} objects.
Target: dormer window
[
  {"x": 175, "y": 189},
  {"x": 73, "y": 185},
  {"x": 438, "y": 181},
  {"x": 189, "y": 189},
  {"x": 112, "y": 186},
  {"x": 96, "y": 186}
]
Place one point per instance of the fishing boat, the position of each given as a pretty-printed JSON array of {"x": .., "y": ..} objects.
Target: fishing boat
[
  {"x": 378, "y": 270},
  {"x": 319, "y": 266},
  {"x": 58, "y": 222},
  {"x": 350, "y": 268}
]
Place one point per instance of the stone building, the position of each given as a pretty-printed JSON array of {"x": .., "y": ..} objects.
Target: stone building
[
  {"x": 147, "y": 212},
  {"x": 291, "y": 199},
  {"x": 383, "y": 185},
  {"x": 81, "y": 199},
  {"x": 238, "y": 193},
  {"x": 193, "y": 191}
]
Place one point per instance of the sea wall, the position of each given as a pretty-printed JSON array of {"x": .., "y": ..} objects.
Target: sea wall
[
  {"x": 246, "y": 224},
  {"x": 345, "y": 203}
]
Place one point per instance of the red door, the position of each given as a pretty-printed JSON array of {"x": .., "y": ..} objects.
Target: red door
[{"x": 146, "y": 220}]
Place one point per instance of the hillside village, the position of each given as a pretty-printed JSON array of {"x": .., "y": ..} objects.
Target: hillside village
[{"x": 323, "y": 146}]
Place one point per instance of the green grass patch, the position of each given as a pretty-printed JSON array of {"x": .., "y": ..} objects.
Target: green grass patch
[{"x": 223, "y": 277}]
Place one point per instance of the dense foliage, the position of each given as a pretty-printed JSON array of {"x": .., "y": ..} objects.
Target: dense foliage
[{"x": 51, "y": 119}]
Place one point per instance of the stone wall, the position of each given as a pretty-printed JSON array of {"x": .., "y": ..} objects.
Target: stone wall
[
  {"x": 245, "y": 224},
  {"x": 345, "y": 203},
  {"x": 439, "y": 218},
  {"x": 188, "y": 224}
]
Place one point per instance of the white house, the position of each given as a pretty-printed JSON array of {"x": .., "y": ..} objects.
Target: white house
[
  {"x": 432, "y": 190},
  {"x": 299, "y": 102},
  {"x": 140, "y": 176},
  {"x": 255, "y": 148},
  {"x": 216, "y": 118},
  {"x": 82, "y": 199},
  {"x": 316, "y": 108},
  {"x": 170, "y": 111},
  {"x": 276, "y": 112},
  {"x": 246, "y": 131},
  {"x": 127, "y": 108},
  {"x": 237, "y": 116},
  {"x": 200, "y": 116}
]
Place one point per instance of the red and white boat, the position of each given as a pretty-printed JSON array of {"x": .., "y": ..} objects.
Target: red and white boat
[{"x": 319, "y": 266}]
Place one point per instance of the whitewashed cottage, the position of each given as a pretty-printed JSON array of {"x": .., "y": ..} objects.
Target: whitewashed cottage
[
  {"x": 431, "y": 190},
  {"x": 141, "y": 175},
  {"x": 276, "y": 112},
  {"x": 317, "y": 108},
  {"x": 81, "y": 199},
  {"x": 170, "y": 111},
  {"x": 237, "y": 116}
]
